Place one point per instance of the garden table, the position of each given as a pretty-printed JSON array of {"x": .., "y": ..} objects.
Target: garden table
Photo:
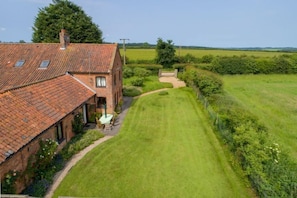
[{"x": 106, "y": 119}]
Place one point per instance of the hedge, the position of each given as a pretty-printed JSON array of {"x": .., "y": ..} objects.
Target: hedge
[{"x": 272, "y": 173}]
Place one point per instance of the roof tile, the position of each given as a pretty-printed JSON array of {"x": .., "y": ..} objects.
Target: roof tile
[
  {"x": 77, "y": 57},
  {"x": 30, "y": 110}
]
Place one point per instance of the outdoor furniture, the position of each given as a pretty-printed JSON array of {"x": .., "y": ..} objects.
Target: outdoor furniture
[
  {"x": 99, "y": 124},
  {"x": 105, "y": 119},
  {"x": 108, "y": 127}
]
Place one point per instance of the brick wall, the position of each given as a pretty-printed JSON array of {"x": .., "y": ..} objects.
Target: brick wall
[
  {"x": 114, "y": 84},
  {"x": 19, "y": 160}
]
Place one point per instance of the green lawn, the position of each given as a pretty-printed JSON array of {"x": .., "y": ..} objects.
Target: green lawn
[
  {"x": 150, "y": 54},
  {"x": 165, "y": 148},
  {"x": 151, "y": 83},
  {"x": 273, "y": 98}
]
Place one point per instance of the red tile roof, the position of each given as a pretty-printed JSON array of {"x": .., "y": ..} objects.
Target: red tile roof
[
  {"x": 30, "y": 110},
  {"x": 76, "y": 58}
]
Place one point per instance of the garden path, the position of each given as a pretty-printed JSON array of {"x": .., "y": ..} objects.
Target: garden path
[{"x": 108, "y": 134}]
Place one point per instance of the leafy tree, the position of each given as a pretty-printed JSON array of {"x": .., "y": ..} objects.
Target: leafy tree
[
  {"x": 63, "y": 14},
  {"x": 165, "y": 53}
]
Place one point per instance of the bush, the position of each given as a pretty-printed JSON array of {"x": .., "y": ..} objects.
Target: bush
[
  {"x": 42, "y": 182},
  {"x": 138, "y": 82},
  {"x": 234, "y": 65},
  {"x": 131, "y": 91},
  {"x": 208, "y": 83},
  {"x": 79, "y": 142},
  {"x": 270, "y": 171},
  {"x": 154, "y": 68},
  {"x": 8, "y": 184},
  {"x": 163, "y": 93},
  {"x": 77, "y": 123},
  {"x": 94, "y": 115},
  {"x": 179, "y": 67},
  {"x": 141, "y": 72},
  {"x": 127, "y": 72}
]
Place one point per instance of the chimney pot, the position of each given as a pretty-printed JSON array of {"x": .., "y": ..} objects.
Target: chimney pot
[{"x": 64, "y": 39}]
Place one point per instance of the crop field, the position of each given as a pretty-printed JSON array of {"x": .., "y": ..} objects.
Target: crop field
[
  {"x": 165, "y": 148},
  {"x": 149, "y": 54},
  {"x": 273, "y": 98}
]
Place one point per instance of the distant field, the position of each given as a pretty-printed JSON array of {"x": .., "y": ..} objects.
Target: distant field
[
  {"x": 273, "y": 98},
  {"x": 149, "y": 54}
]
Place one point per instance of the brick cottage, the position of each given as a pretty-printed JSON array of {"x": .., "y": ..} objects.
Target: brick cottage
[{"x": 44, "y": 85}]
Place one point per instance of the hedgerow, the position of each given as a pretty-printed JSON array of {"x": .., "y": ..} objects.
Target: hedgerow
[
  {"x": 269, "y": 168},
  {"x": 250, "y": 65},
  {"x": 208, "y": 83},
  {"x": 271, "y": 171},
  {"x": 154, "y": 68}
]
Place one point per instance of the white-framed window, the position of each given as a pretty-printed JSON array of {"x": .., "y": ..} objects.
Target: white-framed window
[{"x": 100, "y": 81}]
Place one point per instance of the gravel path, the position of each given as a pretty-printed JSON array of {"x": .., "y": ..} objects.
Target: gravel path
[
  {"x": 108, "y": 134},
  {"x": 175, "y": 81}
]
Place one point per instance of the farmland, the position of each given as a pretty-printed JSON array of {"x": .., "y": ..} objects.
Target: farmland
[
  {"x": 273, "y": 98},
  {"x": 149, "y": 54}
]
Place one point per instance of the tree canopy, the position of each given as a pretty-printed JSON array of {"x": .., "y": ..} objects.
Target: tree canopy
[
  {"x": 165, "y": 53},
  {"x": 63, "y": 14}
]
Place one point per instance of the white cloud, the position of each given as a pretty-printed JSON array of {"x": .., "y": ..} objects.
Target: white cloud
[{"x": 2, "y": 29}]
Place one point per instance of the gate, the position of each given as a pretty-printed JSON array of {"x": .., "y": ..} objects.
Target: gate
[{"x": 168, "y": 73}]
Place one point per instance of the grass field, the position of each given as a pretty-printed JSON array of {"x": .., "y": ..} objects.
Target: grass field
[
  {"x": 165, "y": 148},
  {"x": 273, "y": 98},
  {"x": 149, "y": 54}
]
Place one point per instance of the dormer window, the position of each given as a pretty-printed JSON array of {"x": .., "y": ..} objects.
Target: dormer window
[
  {"x": 19, "y": 63},
  {"x": 44, "y": 64}
]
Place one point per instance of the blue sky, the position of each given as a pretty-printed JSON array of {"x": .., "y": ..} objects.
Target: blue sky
[{"x": 210, "y": 23}]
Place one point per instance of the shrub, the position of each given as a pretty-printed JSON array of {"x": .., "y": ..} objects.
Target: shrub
[
  {"x": 179, "y": 67},
  {"x": 234, "y": 65},
  {"x": 154, "y": 68},
  {"x": 141, "y": 72},
  {"x": 138, "y": 82},
  {"x": 163, "y": 93},
  {"x": 79, "y": 142},
  {"x": 208, "y": 83},
  {"x": 270, "y": 171},
  {"x": 127, "y": 72},
  {"x": 55, "y": 163},
  {"x": 188, "y": 58},
  {"x": 94, "y": 115},
  {"x": 77, "y": 123},
  {"x": 131, "y": 91},
  {"x": 207, "y": 58},
  {"x": 8, "y": 184}
]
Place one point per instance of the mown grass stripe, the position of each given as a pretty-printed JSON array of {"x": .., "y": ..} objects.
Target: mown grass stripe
[{"x": 175, "y": 159}]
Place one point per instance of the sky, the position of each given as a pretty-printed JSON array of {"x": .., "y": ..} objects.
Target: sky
[{"x": 208, "y": 23}]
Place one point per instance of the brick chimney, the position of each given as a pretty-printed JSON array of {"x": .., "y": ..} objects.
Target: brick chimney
[{"x": 64, "y": 39}]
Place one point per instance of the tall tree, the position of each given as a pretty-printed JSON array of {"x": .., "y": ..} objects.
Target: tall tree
[
  {"x": 63, "y": 14},
  {"x": 165, "y": 53}
]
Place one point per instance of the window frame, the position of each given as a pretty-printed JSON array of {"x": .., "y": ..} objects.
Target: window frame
[
  {"x": 20, "y": 63},
  {"x": 101, "y": 101},
  {"x": 101, "y": 82},
  {"x": 44, "y": 64},
  {"x": 59, "y": 133}
]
